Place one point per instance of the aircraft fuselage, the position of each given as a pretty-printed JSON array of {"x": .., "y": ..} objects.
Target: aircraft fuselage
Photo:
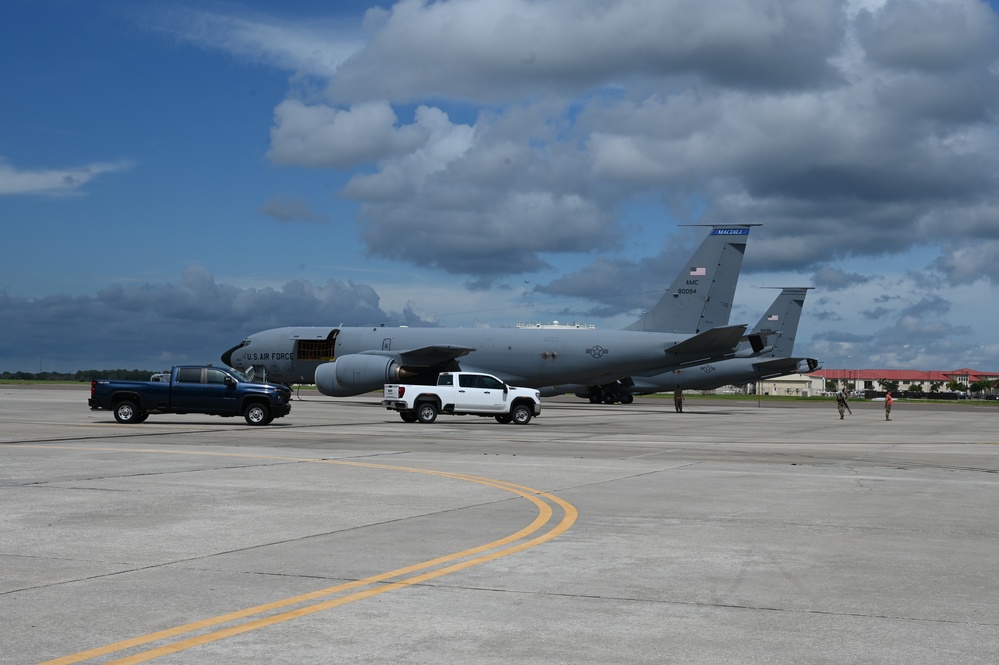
[{"x": 525, "y": 357}]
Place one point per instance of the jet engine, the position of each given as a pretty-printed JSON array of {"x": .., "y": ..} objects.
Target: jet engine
[{"x": 356, "y": 374}]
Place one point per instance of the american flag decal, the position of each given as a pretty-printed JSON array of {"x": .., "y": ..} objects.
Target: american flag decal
[
  {"x": 772, "y": 317},
  {"x": 698, "y": 272}
]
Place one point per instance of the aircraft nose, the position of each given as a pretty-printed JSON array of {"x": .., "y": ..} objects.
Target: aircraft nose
[{"x": 227, "y": 356}]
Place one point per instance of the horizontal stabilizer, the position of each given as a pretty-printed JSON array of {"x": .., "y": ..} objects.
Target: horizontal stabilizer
[
  {"x": 784, "y": 366},
  {"x": 710, "y": 343}
]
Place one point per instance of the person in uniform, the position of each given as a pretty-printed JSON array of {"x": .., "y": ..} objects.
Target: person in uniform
[
  {"x": 888, "y": 401},
  {"x": 678, "y": 399},
  {"x": 841, "y": 403}
]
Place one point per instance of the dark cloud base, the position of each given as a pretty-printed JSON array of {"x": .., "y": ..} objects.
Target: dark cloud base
[{"x": 156, "y": 326}]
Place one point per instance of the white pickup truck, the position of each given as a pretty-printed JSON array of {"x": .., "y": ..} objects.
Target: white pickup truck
[{"x": 461, "y": 393}]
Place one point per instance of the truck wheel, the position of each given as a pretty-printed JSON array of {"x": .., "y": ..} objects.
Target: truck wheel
[
  {"x": 408, "y": 416},
  {"x": 127, "y": 412},
  {"x": 504, "y": 419},
  {"x": 257, "y": 414},
  {"x": 426, "y": 412},
  {"x": 522, "y": 414}
]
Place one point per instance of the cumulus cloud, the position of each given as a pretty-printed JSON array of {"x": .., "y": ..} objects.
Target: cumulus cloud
[
  {"x": 834, "y": 279},
  {"x": 837, "y": 130},
  {"x": 849, "y": 131},
  {"x": 923, "y": 335},
  {"x": 969, "y": 263},
  {"x": 319, "y": 135},
  {"x": 285, "y": 208},
  {"x": 913, "y": 35},
  {"x": 490, "y": 51},
  {"x": 485, "y": 137}
]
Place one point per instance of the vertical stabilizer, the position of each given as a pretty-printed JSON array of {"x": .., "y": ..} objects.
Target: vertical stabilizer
[
  {"x": 780, "y": 322},
  {"x": 700, "y": 298}
]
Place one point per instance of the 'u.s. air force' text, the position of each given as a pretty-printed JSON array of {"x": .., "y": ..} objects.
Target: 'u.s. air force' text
[{"x": 287, "y": 355}]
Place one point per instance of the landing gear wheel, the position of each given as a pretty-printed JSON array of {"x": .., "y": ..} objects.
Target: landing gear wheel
[
  {"x": 408, "y": 416},
  {"x": 426, "y": 412},
  {"x": 627, "y": 398},
  {"x": 521, "y": 414},
  {"x": 257, "y": 414},
  {"x": 504, "y": 419},
  {"x": 127, "y": 412}
]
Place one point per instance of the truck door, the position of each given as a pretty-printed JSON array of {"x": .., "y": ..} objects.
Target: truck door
[
  {"x": 477, "y": 392},
  {"x": 219, "y": 395},
  {"x": 494, "y": 395},
  {"x": 202, "y": 390},
  {"x": 185, "y": 391}
]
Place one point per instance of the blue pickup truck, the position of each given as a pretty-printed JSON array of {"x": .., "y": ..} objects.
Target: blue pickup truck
[{"x": 218, "y": 391}]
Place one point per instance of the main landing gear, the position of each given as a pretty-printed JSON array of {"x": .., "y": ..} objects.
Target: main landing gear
[{"x": 610, "y": 394}]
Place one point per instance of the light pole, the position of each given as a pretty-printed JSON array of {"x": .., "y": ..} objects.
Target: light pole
[{"x": 846, "y": 372}]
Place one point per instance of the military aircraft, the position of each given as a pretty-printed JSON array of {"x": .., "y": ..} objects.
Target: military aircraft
[
  {"x": 344, "y": 361},
  {"x": 778, "y": 326}
]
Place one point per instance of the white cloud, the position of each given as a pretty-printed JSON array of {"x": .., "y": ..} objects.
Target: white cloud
[
  {"x": 861, "y": 133},
  {"x": 492, "y": 50},
  {"x": 317, "y": 47},
  {"x": 291, "y": 209},
  {"x": 53, "y": 182},
  {"x": 928, "y": 34},
  {"x": 319, "y": 135},
  {"x": 827, "y": 120}
]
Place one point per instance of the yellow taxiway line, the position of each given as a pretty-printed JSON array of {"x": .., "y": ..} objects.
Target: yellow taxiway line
[{"x": 378, "y": 584}]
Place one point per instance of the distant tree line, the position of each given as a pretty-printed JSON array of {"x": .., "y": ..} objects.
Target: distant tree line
[{"x": 82, "y": 375}]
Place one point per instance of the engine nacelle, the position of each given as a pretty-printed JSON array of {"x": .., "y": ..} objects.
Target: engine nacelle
[{"x": 356, "y": 374}]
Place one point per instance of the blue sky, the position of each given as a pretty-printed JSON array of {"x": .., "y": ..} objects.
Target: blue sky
[{"x": 175, "y": 176}]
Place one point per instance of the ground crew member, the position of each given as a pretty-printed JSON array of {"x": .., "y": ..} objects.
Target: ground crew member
[
  {"x": 678, "y": 399},
  {"x": 888, "y": 401},
  {"x": 841, "y": 403}
]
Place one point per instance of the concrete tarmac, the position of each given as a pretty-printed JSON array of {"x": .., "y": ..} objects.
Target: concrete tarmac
[{"x": 731, "y": 533}]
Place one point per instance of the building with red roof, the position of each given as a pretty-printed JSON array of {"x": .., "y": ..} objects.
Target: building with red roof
[{"x": 925, "y": 381}]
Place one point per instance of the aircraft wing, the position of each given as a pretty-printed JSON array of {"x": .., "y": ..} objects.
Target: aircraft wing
[
  {"x": 713, "y": 343},
  {"x": 427, "y": 356}
]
